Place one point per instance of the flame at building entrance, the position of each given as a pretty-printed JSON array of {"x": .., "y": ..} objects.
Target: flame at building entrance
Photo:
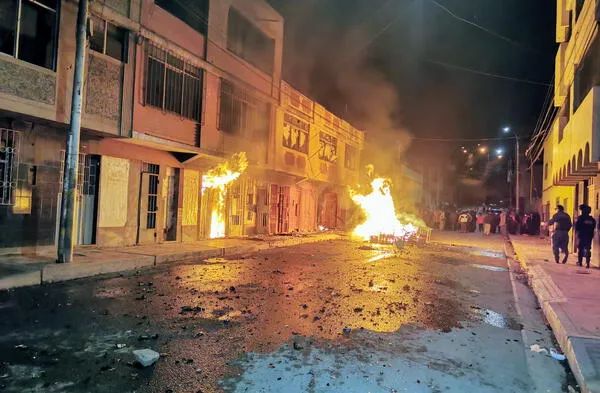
[
  {"x": 217, "y": 179},
  {"x": 381, "y": 217}
]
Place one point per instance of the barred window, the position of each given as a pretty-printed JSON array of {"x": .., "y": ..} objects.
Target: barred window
[
  {"x": 351, "y": 158},
  {"x": 172, "y": 84},
  {"x": 327, "y": 147},
  {"x": 9, "y": 165},
  {"x": 241, "y": 112},
  {"x": 153, "y": 171},
  {"x": 295, "y": 133}
]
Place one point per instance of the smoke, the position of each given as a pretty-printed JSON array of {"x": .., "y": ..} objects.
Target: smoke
[{"x": 328, "y": 56}]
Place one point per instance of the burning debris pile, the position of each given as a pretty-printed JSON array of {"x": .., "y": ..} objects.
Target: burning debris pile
[
  {"x": 218, "y": 178},
  {"x": 382, "y": 224}
]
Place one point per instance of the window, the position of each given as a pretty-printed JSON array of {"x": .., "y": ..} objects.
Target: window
[
  {"x": 327, "y": 147},
  {"x": 241, "y": 112},
  {"x": 28, "y": 30},
  {"x": 173, "y": 84},
  {"x": 295, "y": 134},
  {"x": 109, "y": 39},
  {"x": 351, "y": 159},
  {"x": 249, "y": 42},
  {"x": 193, "y": 13},
  {"x": 153, "y": 170},
  {"x": 9, "y": 165},
  {"x": 587, "y": 74}
]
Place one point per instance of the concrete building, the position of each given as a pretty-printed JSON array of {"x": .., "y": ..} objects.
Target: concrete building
[
  {"x": 171, "y": 90},
  {"x": 572, "y": 145}
]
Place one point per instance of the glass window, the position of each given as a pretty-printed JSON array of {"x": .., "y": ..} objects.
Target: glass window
[
  {"x": 37, "y": 33},
  {"x": 8, "y": 26},
  {"x": 97, "y": 38},
  {"x": 194, "y": 13},
  {"x": 249, "y": 42},
  {"x": 109, "y": 39}
]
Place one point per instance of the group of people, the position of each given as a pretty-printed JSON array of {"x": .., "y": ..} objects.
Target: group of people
[{"x": 585, "y": 227}]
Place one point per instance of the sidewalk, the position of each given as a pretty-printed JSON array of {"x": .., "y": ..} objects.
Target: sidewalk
[
  {"x": 570, "y": 301},
  {"x": 24, "y": 270}
]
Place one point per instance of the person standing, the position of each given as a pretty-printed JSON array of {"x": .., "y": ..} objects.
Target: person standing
[
  {"x": 503, "y": 222},
  {"x": 442, "y": 220},
  {"x": 452, "y": 217},
  {"x": 487, "y": 223},
  {"x": 585, "y": 227},
  {"x": 560, "y": 238},
  {"x": 464, "y": 221},
  {"x": 480, "y": 221}
]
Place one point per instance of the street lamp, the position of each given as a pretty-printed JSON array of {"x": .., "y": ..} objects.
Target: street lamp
[{"x": 508, "y": 130}]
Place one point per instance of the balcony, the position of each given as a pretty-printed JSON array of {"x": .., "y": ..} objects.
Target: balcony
[{"x": 576, "y": 154}]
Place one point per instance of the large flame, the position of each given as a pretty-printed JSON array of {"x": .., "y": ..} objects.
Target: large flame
[
  {"x": 381, "y": 218},
  {"x": 218, "y": 178}
]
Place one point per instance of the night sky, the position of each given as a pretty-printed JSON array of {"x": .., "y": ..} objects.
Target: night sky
[{"x": 327, "y": 47}]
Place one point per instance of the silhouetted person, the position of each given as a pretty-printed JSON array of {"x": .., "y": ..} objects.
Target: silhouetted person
[
  {"x": 560, "y": 238},
  {"x": 585, "y": 227}
]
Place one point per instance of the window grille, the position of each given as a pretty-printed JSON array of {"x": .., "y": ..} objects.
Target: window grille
[
  {"x": 10, "y": 144},
  {"x": 172, "y": 84},
  {"x": 295, "y": 134},
  {"x": 81, "y": 172},
  {"x": 327, "y": 147},
  {"x": 153, "y": 171},
  {"x": 241, "y": 112}
]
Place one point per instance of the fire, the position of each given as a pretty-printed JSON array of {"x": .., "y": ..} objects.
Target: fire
[
  {"x": 381, "y": 218},
  {"x": 218, "y": 178}
]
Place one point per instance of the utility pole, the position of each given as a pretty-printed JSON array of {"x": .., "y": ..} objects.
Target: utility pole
[{"x": 69, "y": 190}]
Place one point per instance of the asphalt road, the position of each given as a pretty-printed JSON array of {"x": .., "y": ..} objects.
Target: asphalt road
[{"x": 335, "y": 316}]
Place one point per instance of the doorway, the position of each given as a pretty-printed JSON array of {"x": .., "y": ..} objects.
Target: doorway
[
  {"x": 172, "y": 204},
  {"x": 88, "y": 199}
]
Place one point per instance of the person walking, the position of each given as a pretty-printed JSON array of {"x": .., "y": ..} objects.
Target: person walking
[
  {"x": 560, "y": 238},
  {"x": 585, "y": 227},
  {"x": 503, "y": 222}
]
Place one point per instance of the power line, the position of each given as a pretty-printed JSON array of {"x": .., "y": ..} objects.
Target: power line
[
  {"x": 485, "y": 29},
  {"x": 489, "y": 74}
]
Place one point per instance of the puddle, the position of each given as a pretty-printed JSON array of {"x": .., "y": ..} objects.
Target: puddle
[
  {"x": 495, "y": 319},
  {"x": 492, "y": 268}
]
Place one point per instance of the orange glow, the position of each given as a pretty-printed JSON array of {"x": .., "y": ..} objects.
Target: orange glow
[
  {"x": 218, "y": 178},
  {"x": 381, "y": 216}
]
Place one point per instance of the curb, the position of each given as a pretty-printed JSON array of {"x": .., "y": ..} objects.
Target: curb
[
  {"x": 550, "y": 298},
  {"x": 53, "y": 273}
]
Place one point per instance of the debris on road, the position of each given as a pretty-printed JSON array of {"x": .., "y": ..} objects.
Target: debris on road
[
  {"x": 146, "y": 357},
  {"x": 536, "y": 348},
  {"x": 556, "y": 355},
  {"x": 120, "y": 346}
]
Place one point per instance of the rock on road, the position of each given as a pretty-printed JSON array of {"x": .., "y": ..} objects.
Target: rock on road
[{"x": 325, "y": 317}]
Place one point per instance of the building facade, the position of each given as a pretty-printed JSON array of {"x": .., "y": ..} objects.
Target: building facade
[
  {"x": 571, "y": 150},
  {"x": 172, "y": 89}
]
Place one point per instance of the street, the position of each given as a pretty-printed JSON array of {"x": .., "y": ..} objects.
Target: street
[{"x": 336, "y": 316}]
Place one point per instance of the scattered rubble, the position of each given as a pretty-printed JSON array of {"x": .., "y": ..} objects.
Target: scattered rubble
[{"x": 146, "y": 357}]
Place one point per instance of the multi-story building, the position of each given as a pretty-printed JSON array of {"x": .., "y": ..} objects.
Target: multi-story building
[
  {"x": 171, "y": 90},
  {"x": 572, "y": 145}
]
